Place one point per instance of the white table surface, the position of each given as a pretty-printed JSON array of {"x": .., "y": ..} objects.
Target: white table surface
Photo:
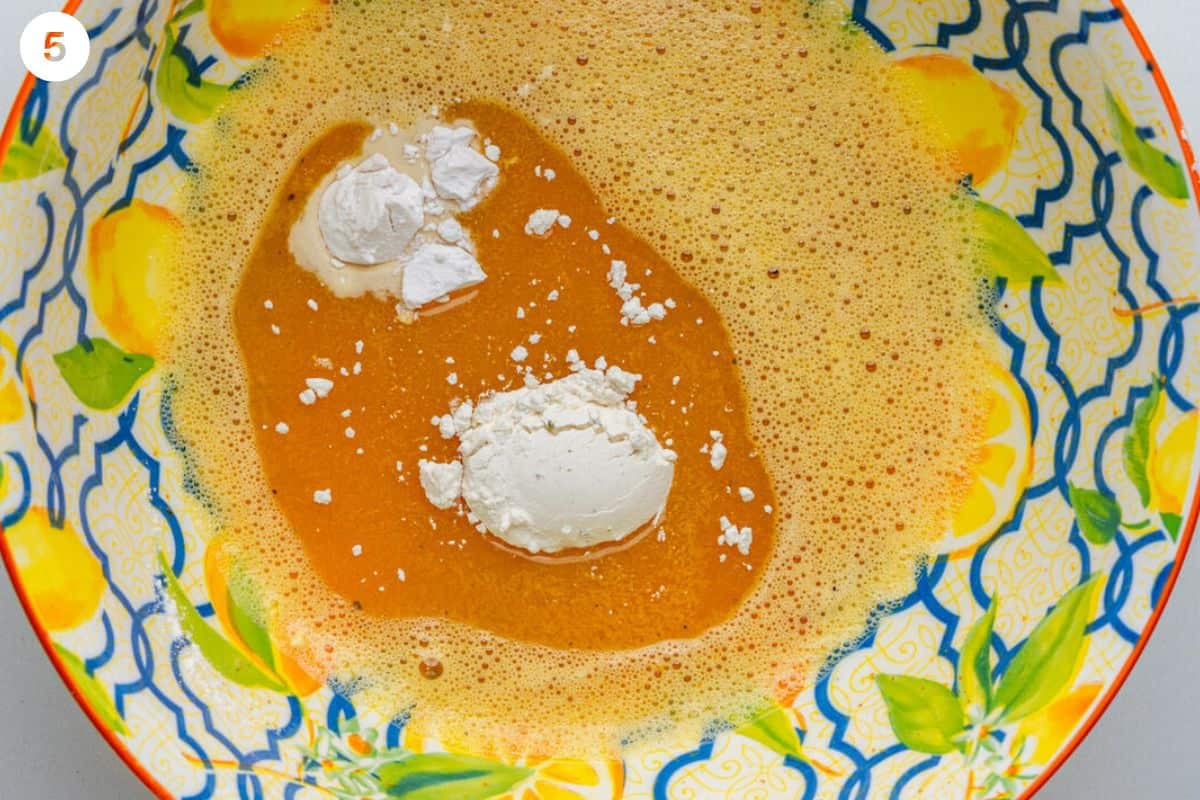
[{"x": 1142, "y": 748}]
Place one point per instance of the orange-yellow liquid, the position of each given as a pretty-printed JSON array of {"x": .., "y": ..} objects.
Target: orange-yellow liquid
[
  {"x": 761, "y": 162},
  {"x": 616, "y": 597}
]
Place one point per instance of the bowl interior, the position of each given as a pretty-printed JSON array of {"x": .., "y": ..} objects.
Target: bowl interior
[{"x": 976, "y": 685}]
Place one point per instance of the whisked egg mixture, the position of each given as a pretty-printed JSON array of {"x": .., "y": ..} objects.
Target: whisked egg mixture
[{"x": 799, "y": 379}]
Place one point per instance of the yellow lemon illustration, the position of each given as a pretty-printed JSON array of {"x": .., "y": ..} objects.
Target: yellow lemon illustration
[
  {"x": 61, "y": 577},
  {"x": 551, "y": 779},
  {"x": 246, "y": 28},
  {"x": 1050, "y": 728},
  {"x": 130, "y": 253},
  {"x": 12, "y": 402},
  {"x": 570, "y": 779},
  {"x": 974, "y": 119},
  {"x": 1001, "y": 470},
  {"x": 1170, "y": 465},
  {"x": 256, "y": 642}
]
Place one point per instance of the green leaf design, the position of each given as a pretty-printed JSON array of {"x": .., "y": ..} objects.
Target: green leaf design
[
  {"x": 774, "y": 729},
  {"x": 1163, "y": 173},
  {"x": 1047, "y": 660},
  {"x": 1172, "y": 523},
  {"x": 1008, "y": 251},
  {"x": 30, "y": 159},
  {"x": 100, "y": 373},
  {"x": 1135, "y": 450},
  {"x": 1099, "y": 515},
  {"x": 189, "y": 97},
  {"x": 224, "y": 656},
  {"x": 247, "y": 623},
  {"x": 975, "y": 662},
  {"x": 187, "y": 10},
  {"x": 449, "y": 776},
  {"x": 925, "y": 715},
  {"x": 252, "y": 632},
  {"x": 94, "y": 693}
]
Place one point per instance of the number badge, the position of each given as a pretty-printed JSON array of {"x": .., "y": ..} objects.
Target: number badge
[{"x": 55, "y": 46}]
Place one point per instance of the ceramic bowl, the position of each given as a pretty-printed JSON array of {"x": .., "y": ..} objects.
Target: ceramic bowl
[{"x": 976, "y": 686}]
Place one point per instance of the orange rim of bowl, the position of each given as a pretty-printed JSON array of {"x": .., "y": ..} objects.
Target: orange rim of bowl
[{"x": 1068, "y": 750}]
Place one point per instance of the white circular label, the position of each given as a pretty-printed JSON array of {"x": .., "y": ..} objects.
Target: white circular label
[{"x": 55, "y": 46}]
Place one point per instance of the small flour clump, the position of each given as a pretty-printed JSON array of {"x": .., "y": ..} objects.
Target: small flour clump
[
  {"x": 460, "y": 171},
  {"x": 559, "y": 465},
  {"x": 442, "y": 482},
  {"x": 542, "y": 221},
  {"x": 435, "y": 270},
  {"x": 633, "y": 312},
  {"x": 387, "y": 224},
  {"x": 717, "y": 451},
  {"x": 733, "y": 536}
]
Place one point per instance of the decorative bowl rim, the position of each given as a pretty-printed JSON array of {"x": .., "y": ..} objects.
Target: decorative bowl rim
[{"x": 1066, "y": 751}]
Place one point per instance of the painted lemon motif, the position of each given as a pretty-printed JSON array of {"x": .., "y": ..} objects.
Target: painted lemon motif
[
  {"x": 130, "y": 252},
  {"x": 254, "y": 640},
  {"x": 60, "y": 575},
  {"x": 1050, "y": 728},
  {"x": 551, "y": 779},
  {"x": 569, "y": 779},
  {"x": 973, "y": 118},
  {"x": 1001, "y": 470},
  {"x": 246, "y": 28},
  {"x": 1169, "y": 467},
  {"x": 12, "y": 403}
]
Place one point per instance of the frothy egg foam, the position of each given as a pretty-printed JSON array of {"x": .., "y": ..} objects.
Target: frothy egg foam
[{"x": 766, "y": 151}]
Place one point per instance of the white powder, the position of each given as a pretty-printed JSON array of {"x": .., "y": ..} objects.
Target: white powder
[
  {"x": 733, "y": 536},
  {"x": 442, "y": 138},
  {"x": 460, "y": 173},
  {"x": 519, "y": 353},
  {"x": 563, "y": 464},
  {"x": 378, "y": 217},
  {"x": 281, "y": 427},
  {"x": 370, "y": 214},
  {"x": 541, "y": 221},
  {"x": 451, "y": 230},
  {"x": 746, "y": 493},
  {"x": 717, "y": 451},
  {"x": 320, "y": 386},
  {"x": 435, "y": 270},
  {"x": 442, "y": 482},
  {"x": 633, "y": 310},
  {"x": 323, "y": 497}
]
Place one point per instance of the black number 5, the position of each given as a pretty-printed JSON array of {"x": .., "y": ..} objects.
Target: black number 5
[{"x": 55, "y": 50}]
